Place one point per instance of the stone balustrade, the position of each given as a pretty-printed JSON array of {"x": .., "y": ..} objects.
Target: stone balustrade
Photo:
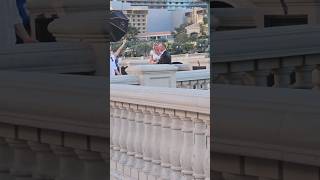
[
  {"x": 265, "y": 133},
  {"x": 190, "y": 60},
  {"x": 53, "y": 127},
  {"x": 159, "y": 133},
  {"x": 199, "y": 79},
  {"x": 49, "y": 58},
  {"x": 284, "y": 57},
  {"x": 151, "y": 75}
]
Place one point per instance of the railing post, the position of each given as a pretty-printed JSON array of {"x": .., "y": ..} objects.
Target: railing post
[{"x": 160, "y": 75}]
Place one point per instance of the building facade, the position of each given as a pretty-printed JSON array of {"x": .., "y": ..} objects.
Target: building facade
[
  {"x": 156, "y": 36},
  {"x": 167, "y": 3},
  {"x": 138, "y": 16}
]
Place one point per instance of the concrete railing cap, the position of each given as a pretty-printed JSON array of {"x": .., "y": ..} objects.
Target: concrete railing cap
[{"x": 152, "y": 68}]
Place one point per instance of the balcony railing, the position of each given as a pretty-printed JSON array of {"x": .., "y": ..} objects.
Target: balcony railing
[
  {"x": 284, "y": 57},
  {"x": 159, "y": 132},
  {"x": 261, "y": 132},
  {"x": 199, "y": 79},
  {"x": 53, "y": 126}
]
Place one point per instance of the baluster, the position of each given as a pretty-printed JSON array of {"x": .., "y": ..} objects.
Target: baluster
[
  {"x": 23, "y": 161},
  {"x": 248, "y": 78},
  {"x": 70, "y": 166},
  {"x": 199, "y": 149},
  {"x": 316, "y": 78},
  {"x": 193, "y": 84},
  {"x": 165, "y": 145},
  {"x": 47, "y": 163},
  {"x": 138, "y": 139},
  {"x": 221, "y": 79},
  {"x": 112, "y": 111},
  {"x": 261, "y": 77},
  {"x": 186, "y": 84},
  {"x": 236, "y": 78},
  {"x": 186, "y": 158},
  {"x": 130, "y": 139},
  {"x": 206, "y": 162},
  {"x": 6, "y": 158},
  {"x": 94, "y": 165},
  {"x": 116, "y": 135},
  {"x": 282, "y": 77},
  {"x": 304, "y": 77},
  {"x": 123, "y": 136},
  {"x": 156, "y": 138},
  {"x": 201, "y": 84},
  {"x": 207, "y": 84},
  {"x": 176, "y": 146},
  {"x": 147, "y": 146}
]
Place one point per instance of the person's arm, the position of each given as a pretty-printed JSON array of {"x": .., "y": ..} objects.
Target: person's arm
[
  {"x": 116, "y": 54},
  {"x": 117, "y": 72},
  {"x": 22, "y": 33}
]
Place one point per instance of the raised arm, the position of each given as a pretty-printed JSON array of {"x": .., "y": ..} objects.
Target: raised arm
[
  {"x": 116, "y": 54},
  {"x": 22, "y": 33}
]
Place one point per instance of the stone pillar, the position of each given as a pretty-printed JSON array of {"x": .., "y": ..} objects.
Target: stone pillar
[
  {"x": 86, "y": 23},
  {"x": 159, "y": 75}
]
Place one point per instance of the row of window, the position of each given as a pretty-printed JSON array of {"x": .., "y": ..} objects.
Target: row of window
[
  {"x": 138, "y": 24},
  {"x": 132, "y": 15},
  {"x": 143, "y": 20}
]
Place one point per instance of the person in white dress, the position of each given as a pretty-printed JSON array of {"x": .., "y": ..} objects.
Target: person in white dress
[
  {"x": 11, "y": 24},
  {"x": 113, "y": 56},
  {"x": 154, "y": 54}
]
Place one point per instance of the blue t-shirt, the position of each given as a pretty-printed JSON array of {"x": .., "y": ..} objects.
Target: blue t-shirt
[{"x": 22, "y": 11}]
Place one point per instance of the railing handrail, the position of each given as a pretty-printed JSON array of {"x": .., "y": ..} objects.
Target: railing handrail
[
  {"x": 193, "y": 75},
  {"x": 180, "y": 76},
  {"x": 48, "y": 57},
  {"x": 266, "y": 43},
  {"x": 125, "y": 79},
  {"x": 75, "y": 104},
  {"x": 172, "y": 98},
  {"x": 272, "y": 123}
]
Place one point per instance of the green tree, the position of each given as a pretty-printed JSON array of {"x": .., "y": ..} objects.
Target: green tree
[
  {"x": 132, "y": 33},
  {"x": 142, "y": 48},
  {"x": 181, "y": 38}
]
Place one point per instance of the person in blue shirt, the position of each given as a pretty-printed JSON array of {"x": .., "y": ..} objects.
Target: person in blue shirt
[{"x": 21, "y": 6}]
